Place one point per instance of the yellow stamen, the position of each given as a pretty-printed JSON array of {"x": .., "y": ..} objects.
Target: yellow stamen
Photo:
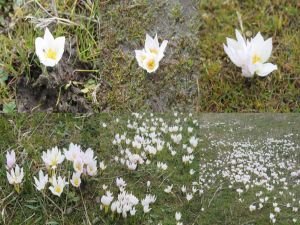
[
  {"x": 57, "y": 189},
  {"x": 78, "y": 166},
  {"x": 51, "y": 54},
  {"x": 54, "y": 161},
  {"x": 256, "y": 59},
  {"x": 151, "y": 64}
]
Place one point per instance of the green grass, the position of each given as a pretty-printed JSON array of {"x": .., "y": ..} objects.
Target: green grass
[
  {"x": 29, "y": 135},
  {"x": 195, "y": 75}
]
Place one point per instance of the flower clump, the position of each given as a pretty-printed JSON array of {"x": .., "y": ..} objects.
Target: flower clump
[
  {"x": 152, "y": 54},
  {"x": 14, "y": 173},
  {"x": 83, "y": 163},
  {"x": 125, "y": 203}
]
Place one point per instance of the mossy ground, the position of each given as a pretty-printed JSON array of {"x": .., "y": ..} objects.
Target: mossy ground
[
  {"x": 195, "y": 74},
  {"x": 30, "y": 135}
]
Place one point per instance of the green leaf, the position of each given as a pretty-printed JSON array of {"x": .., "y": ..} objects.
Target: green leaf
[
  {"x": 3, "y": 77},
  {"x": 9, "y": 107}
]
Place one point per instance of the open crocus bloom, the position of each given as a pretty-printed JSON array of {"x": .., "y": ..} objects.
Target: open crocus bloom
[
  {"x": 52, "y": 158},
  {"x": 251, "y": 56},
  {"x": 15, "y": 176},
  {"x": 91, "y": 167},
  {"x": 107, "y": 198},
  {"x": 260, "y": 52},
  {"x": 151, "y": 63},
  {"x": 147, "y": 61},
  {"x": 73, "y": 152},
  {"x": 150, "y": 56},
  {"x": 57, "y": 185},
  {"x": 76, "y": 180},
  {"x": 48, "y": 49},
  {"x": 42, "y": 181}
]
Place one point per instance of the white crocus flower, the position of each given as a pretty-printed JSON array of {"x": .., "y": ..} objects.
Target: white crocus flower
[
  {"x": 76, "y": 180},
  {"x": 48, "y": 49},
  {"x": 78, "y": 165},
  {"x": 251, "y": 56},
  {"x": 133, "y": 211},
  {"x": 42, "y": 181},
  {"x": 120, "y": 183},
  {"x": 91, "y": 168},
  {"x": 88, "y": 156},
  {"x": 168, "y": 189},
  {"x": 10, "y": 159},
  {"x": 15, "y": 177},
  {"x": 150, "y": 63},
  {"x": 73, "y": 152},
  {"x": 106, "y": 200},
  {"x": 52, "y": 158},
  {"x": 260, "y": 52},
  {"x": 178, "y": 216},
  {"x": 102, "y": 165},
  {"x": 189, "y": 196},
  {"x": 252, "y": 208},
  {"x": 57, "y": 185},
  {"x": 150, "y": 56}
]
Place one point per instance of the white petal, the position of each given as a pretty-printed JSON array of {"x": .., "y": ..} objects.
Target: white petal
[
  {"x": 232, "y": 43},
  {"x": 266, "y": 69},
  {"x": 239, "y": 37},
  {"x": 258, "y": 39},
  {"x": 140, "y": 55},
  {"x": 60, "y": 47},
  {"x": 156, "y": 40},
  {"x": 257, "y": 44},
  {"x": 151, "y": 70},
  {"x": 40, "y": 47},
  {"x": 232, "y": 55},
  {"x": 266, "y": 50},
  {"x": 48, "y": 36},
  {"x": 163, "y": 46},
  {"x": 149, "y": 42}
]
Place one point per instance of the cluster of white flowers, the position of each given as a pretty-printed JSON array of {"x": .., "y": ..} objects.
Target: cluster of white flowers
[
  {"x": 149, "y": 199},
  {"x": 150, "y": 138},
  {"x": 256, "y": 165},
  {"x": 14, "y": 173},
  {"x": 261, "y": 175},
  {"x": 84, "y": 163},
  {"x": 251, "y": 55},
  {"x": 125, "y": 203}
]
